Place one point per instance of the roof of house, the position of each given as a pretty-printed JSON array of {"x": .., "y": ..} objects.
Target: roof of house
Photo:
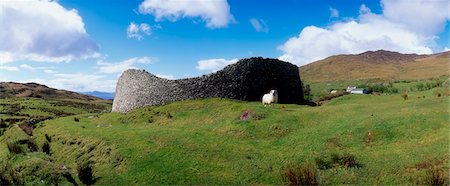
[{"x": 358, "y": 89}]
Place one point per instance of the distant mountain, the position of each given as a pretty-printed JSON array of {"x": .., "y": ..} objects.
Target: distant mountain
[
  {"x": 381, "y": 64},
  {"x": 103, "y": 95},
  {"x": 21, "y": 90}
]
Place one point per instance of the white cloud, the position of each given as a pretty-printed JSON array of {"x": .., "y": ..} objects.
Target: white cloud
[
  {"x": 216, "y": 13},
  {"x": 9, "y": 68},
  {"x": 118, "y": 67},
  {"x": 334, "y": 13},
  {"x": 368, "y": 32},
  {"x": 214, "y": 65},
  {"x": 259, "y": 25},
  {"x": 138, "y": 31},
  {"x": 42, "y": 31},
  {"x": 28, "y": 67},
  {"x": 168, "y": 76},
  {"x": 48, "y": 71},
  {"x": 34, "y": 68},
  {"x": 363, "y": 9},
  {"x": 426, "y": 17}
]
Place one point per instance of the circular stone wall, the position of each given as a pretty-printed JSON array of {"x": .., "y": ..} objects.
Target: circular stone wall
[{"x": 248, "y": 80}]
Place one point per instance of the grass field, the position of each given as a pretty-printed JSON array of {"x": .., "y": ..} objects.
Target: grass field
[
  {"x": 389, "y": 139},
  {"x": 321, "y": 89}
]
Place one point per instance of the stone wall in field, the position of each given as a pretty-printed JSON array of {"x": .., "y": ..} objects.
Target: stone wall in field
[{"x": 248, "y": 80}]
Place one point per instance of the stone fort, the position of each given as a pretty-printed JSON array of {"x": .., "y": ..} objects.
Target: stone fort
[{"x": 247, "y": 80}]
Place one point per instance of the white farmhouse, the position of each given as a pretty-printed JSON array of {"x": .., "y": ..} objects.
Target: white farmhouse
[{"x": 355, "y": 90}]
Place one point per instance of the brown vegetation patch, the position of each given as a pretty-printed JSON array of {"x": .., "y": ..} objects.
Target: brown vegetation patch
[{"x": 304, "y": 174}]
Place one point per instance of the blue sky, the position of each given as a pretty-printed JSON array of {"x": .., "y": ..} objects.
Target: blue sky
[{"x": 84, "y": 45}]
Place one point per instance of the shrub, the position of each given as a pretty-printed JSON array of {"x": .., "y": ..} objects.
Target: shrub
[
  {"x": 435, "y": 176},
  {"x": 85, "y": 173},
  {"x": 300, "y": 174}
]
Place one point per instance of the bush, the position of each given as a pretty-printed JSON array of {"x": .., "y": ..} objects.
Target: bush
[
  {"x": 300, "y": 174},
  {"x": 85, "y": 173}
]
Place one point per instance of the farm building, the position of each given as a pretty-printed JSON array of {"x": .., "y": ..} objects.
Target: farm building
[{"x": 355, "y": 90}]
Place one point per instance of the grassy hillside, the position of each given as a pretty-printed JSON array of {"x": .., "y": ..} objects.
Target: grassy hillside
[
  {"x": 22, "y": 159},
  {"x": 34, "y": 90},
  {"x": 380, "y": 65},
  {"x": 355, "y": 139}
]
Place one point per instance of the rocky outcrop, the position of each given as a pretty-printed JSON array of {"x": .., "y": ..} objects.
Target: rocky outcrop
[{"x": 248, "y": 80}]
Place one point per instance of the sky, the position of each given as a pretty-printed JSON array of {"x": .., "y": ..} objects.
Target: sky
[{"x": 84, "y": 45}]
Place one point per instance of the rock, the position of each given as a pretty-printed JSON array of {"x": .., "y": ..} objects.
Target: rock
[{"x": 248, "y": 80}]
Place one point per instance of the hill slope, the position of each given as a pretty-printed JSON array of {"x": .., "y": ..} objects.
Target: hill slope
[
  {"x": 384, "y": 65},
  {"x": 205, "y": 141},
  {"x": 24, "y": 90}
]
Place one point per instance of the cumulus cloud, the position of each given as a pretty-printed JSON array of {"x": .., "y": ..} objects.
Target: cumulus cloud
[
  {"x": 214, "y": 65},
  {"x": 216, "y": 13},
  {"x": 43, "y": 30},
  {"x": 334, "y": 13},
  {"x": 422, "y": 16},
  {"x": 259, "y": 25},
  {"x": 138, "y": 31},
  {"x": 368, "y": 32},
  {"x": 363, "y": 9},
  {"x": 118, "y": 67}
]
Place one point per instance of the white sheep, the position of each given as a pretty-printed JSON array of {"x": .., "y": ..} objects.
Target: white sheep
[{"x": 271, "y": 97}]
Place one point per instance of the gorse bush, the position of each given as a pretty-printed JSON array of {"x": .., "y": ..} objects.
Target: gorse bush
[{"x": 304, "y": 174}]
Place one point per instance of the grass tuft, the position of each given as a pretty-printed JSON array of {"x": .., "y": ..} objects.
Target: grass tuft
[
  {"x": 435, "y": 176},
  {"x": 337, "y": 160},
  {"x": 304, "y": 174}
]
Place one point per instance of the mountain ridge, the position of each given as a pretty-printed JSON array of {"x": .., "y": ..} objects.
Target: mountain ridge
[
  {"x": 380, "y": 64},
  {"x": 35, "y": 90}
]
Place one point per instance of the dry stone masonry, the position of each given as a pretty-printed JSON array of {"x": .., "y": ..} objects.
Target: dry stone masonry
[{"x": 248, "y": 80}]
